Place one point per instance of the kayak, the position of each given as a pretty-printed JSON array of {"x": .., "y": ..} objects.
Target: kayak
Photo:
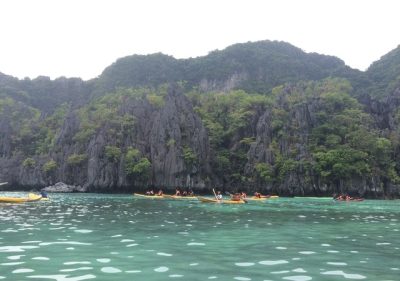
[
  {"x": 262, "y": 198},
  {"x": 253, "y": 198},
  {"x": 351, "y": 200},
  {"x": 31, "y": 198},
  {"x": 179, "y": 197},
  {"x": 148, "y": 196},
  {"x": 223, "y": 201},
  {"x": 313, "y": 197}
]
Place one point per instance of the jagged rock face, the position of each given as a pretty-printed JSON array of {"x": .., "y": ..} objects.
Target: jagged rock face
[
  {"x": 383, "y": 110},
  {"x": 302, "y": 181},
  {"x": 174, "y": 127},
  {"x": 159, "y": 133}
]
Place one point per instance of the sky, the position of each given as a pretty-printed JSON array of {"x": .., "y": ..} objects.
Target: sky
[{"x": 80, "y": 38}]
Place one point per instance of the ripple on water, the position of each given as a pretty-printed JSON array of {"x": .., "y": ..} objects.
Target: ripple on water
[
  {"x": 110, "y": 269},
  {"x": 161, "y": 269},
  {"x": 12, "y": 263},
  {"x": 175, "y": 276},
  {"x": 11, "y": 249},
  {"x": 41, "y": 258},
  {"x": 306, "y": 252},
  {"x": 76, "y": 262},
  {"x": 345, "y": 275},
  {"x": 76, "y": 269},
  {"x": 298, "y": 278},
  {"x": 133, "y": 271},
  {"x": 23, "y": 270},
  {"x": 195, "y": 244},
  {"x": 127, "y": 240},
  {"x": 104, "y": 260},
  {"x": 83, "y": 231},
  {"x": 242, "y": 278},
  {"x": 244, "y": 263},
  {"x": 60, "y": 277},
  {"x": 273, "y": 262},
  {"x": 300, "y": 270},
  {"x": 164, "y": 254},
  {"x": 337, "y": 263},
  {"x": 64, "y": 243},
  {"x": 15, "y": 257}
]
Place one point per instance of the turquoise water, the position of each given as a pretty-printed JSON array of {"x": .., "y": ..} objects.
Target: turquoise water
[{"x": 118, "y": 237}]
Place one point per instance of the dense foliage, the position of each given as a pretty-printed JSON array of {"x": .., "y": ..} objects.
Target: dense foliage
[{"x": 275, "y": 118}]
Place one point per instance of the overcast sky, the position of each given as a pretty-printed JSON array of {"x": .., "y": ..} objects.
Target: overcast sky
[{"x": 79, "y": 38}]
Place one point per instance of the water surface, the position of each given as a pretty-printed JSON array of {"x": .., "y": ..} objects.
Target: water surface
[{"x": 118, "y": 237}]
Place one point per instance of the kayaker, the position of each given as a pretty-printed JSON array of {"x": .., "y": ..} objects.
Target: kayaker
[
  {"x": 43, "y": 193},
  {"x": 257, "y": 194},
  {"x": 243, "y": 194},
  {"x": 190, "y": 192},
  {"x": 236, "y": 197},
  {"x": 177, "y": 192},
  {"x": 150, "y": 192},
  {"x": 219, "y": 195},
  {"x": 160, "y": 193}
]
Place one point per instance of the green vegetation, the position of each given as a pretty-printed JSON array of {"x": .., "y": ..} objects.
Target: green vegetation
[
  {"x": 137, "y": 167},
  {"x": 274, "y": 116},
  {"x": 49, "y": 166},
  {"x": 29, "y": 163},
  {"x": 76, "y": 159}
]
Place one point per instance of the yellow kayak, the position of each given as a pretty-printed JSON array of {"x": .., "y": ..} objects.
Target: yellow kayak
[
  {"x": 31, "y": 198},
  {"x": 263, "y": 198},
  {"x": 179, "y": 197},
  {"x": 149, "y": 196},
  {"x": 223, "y": 201}
]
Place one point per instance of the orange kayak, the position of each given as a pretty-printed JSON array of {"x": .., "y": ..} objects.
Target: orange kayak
[{"x": 223, "y": 201}]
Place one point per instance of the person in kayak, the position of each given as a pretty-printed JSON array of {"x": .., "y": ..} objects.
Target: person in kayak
[
  {"x": 236, "y": 197},
  {"x": 43, "y": 193},
  {"x": 257, "y": 194},
  {"x": 160, "y": 192},
  {"x": 219, "y": 195}
]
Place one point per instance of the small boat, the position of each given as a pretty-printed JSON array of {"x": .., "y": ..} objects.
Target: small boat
[
  {"x": 254, "y": 198},
  {"x": 180, "y": 197},
  {"x": 223, "y": 201},
  {"x": 31, "y": 198},
  {"x": 148, "y": 196},
  {"x": 350, "y": 200},
  {"x": 262, "y": 198}
]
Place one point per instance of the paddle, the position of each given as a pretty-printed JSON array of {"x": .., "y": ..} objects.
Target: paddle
[{"x": 215, "y": 194}]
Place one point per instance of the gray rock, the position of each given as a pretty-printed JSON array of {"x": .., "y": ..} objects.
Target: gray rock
[{"x": 64, "y": 188}]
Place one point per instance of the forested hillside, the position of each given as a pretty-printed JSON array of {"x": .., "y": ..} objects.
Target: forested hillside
[{"x": 260, "y": 116}]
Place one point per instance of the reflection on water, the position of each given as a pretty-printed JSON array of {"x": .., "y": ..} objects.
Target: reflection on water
[{"x": 120, "y": 237}]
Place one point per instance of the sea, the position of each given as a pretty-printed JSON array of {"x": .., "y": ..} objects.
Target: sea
[{"x": 122, "y": 237}]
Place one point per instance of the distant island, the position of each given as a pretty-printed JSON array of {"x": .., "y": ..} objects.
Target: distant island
[{"x": 260, "y": 116}]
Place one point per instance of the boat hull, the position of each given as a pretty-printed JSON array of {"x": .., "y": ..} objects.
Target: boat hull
[
  {"x": 180, "y": 197},
  {"x": 31, "y": 198},
  {"x": 139, "y": 195},
  {"x": 223, "y": 201}
]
